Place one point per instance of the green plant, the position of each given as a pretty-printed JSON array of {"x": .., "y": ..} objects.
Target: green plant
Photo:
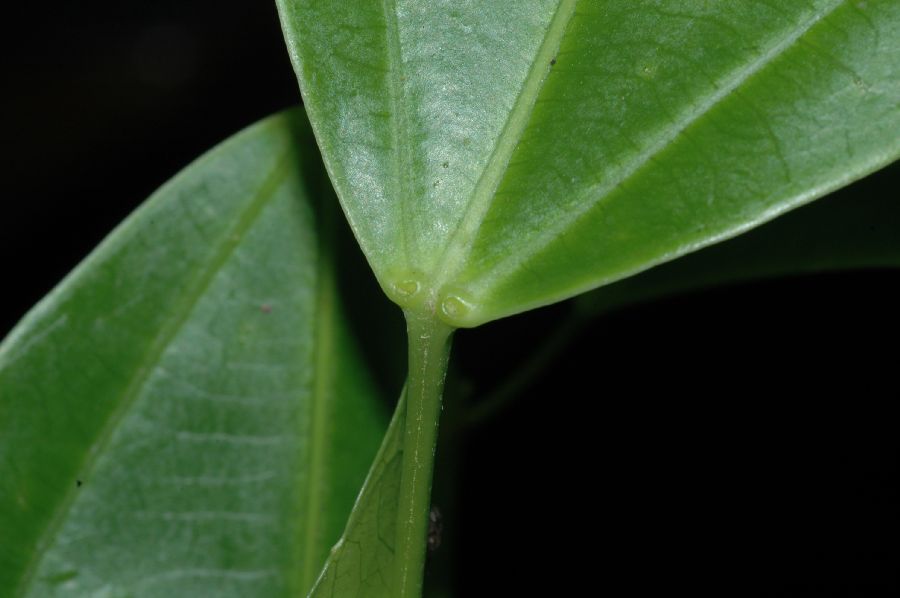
[{"x": 187, "y": 412}]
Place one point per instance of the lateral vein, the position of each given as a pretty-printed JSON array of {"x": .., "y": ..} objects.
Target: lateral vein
[{"x": 463, "y": 237}]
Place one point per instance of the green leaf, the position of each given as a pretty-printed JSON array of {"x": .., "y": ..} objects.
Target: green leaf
[
  {"x": 362, "y": 563},
  {"x": 185, "y": 415},
  {"x": 497, "y": 156}
]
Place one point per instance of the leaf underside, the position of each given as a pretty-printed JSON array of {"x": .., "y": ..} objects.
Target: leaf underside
[
  {"x": 494, "y": 157},
  {"x": 184, "y": 415}
]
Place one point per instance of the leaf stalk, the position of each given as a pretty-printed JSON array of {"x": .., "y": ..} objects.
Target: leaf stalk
[{"x": 429, "y": 353}]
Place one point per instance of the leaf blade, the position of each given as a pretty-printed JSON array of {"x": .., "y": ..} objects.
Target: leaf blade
[
  {"x": 155, "y": 408},
  {"x": 737, "y": 155}
]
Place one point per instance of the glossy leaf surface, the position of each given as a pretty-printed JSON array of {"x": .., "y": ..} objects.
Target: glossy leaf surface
[
  {"x": 497, "y": 156},
  {"x": 185, "y": 415}
]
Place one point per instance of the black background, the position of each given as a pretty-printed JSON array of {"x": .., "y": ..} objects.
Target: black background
[{"x": 732, "y": 441}]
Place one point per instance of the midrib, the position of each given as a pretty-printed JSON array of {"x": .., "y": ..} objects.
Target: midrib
[{"x": 458, "y": 248}]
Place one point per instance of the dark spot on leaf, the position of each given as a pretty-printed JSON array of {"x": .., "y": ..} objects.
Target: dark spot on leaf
[
  {"x": 552, "y": 61},
  {"x": 265, "y": 308},
  {"x": 78, "y": 483},
  {"x": 446, "y": 164}
]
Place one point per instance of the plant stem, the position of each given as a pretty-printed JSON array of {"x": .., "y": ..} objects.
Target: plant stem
[
  {"x": 429, "y": 352},
  {"x": 442, "y": 563}
]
